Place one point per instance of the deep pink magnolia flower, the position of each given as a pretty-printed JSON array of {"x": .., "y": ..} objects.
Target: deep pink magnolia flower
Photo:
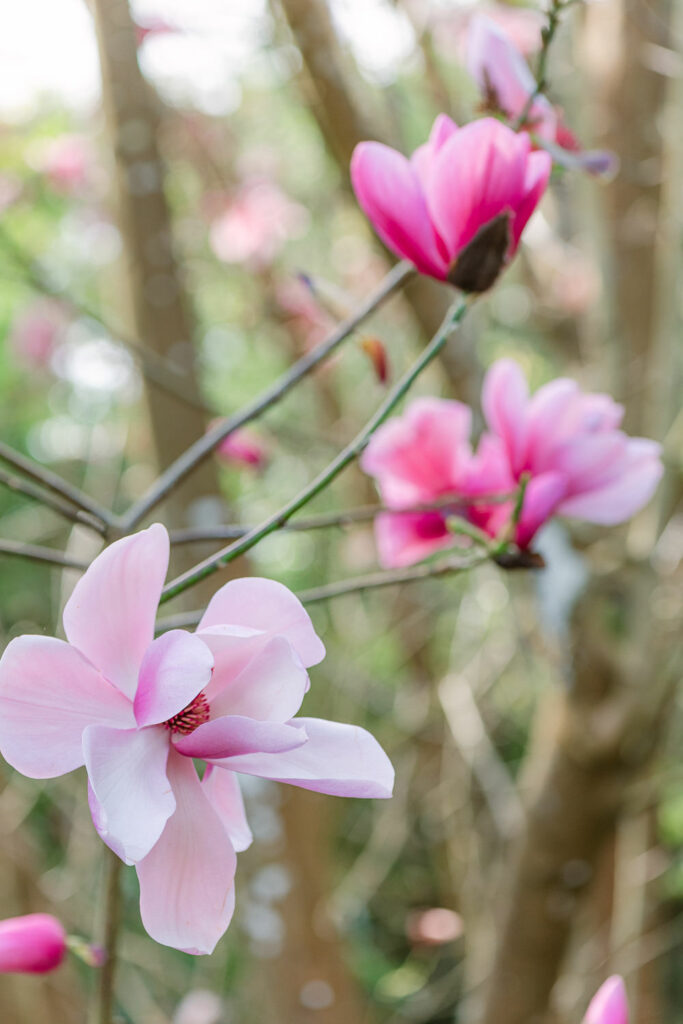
[
  {"x": 136, "y": 711},
  {"x": 609, "y": 1004},
  {"x": 577, "y": 461},
  {"x": 458, "y": 206},
  {"x": 33, "y": 944},
  {"x": 506, "y": 83}
]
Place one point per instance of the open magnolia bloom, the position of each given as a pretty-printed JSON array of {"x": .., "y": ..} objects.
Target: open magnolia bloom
[
  {"x": 566, "y": 444},
  {"x": 136, "y": 711},
  {"x": 609, "y": 1004},
  {"x": 507, "y": 85},
  {"x": 458, "y": 206}
]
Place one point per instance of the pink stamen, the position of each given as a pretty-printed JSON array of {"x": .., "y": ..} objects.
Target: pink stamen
[{"x": 190, "y": 718}]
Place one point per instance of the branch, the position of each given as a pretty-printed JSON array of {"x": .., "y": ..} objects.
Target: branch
[
  {"x": 52, "y": 501},
  {"x": 203, "y": 448},
  {"x": 325, "y": 478},
  {"x": 103, "y": 996},
  {"x": 54, "y": 483},
  {"x": 37, "y": 553},
  {"x": 548, "y": 33}
]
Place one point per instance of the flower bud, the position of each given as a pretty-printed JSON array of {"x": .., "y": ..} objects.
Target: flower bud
[{"x": 33, "y": 944}]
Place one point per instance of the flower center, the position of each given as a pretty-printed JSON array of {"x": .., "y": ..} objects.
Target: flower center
[{"x": 190, "y": 718}]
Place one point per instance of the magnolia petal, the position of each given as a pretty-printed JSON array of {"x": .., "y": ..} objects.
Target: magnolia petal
[
  {"x": 233, "y": 735},
  {"x": 187, "y": 894},
  {"x": 609, "y": 1004},
  {"x": 271, "y": 687},
  {"x": 625, "y": 491},
  {"x": 536, "y": 178},
  {"x": 406, "y": 538},
  {"x": 388, "y": 189},
  {"x": 541, "y": 499},
  {"x": 223, "y": 790},
  {"x": 110, "y": 614},
  {"x": 343, "y": 760},
  {"x": 267, "y": 606},
  {"x": 176, "y": 667},
  {"x": 504, "y": 400},
  {"x": 127, "y": 773},
  {"x": 50, "y": 693}
]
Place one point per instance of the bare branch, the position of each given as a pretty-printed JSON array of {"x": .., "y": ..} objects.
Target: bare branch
[
  {"x": 38, "y": 553},
  {"x": 52, "y": 501}
]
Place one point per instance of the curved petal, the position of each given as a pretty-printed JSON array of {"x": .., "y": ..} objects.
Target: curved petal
[
  {"x": 271, "y": 687},
  {"x": 176, "y": 667},
  {"x": 127, "y": 773},
  {"x": 609, "y": 1004},
  {"x": 388, "y": 189},
  {"x": 268, "y": 606},
  {"x": 504, "y": 400},
  {"x": 407, "y": 538},
  {"x": 187, "y": 893},
  {"x": 343, "y": 760},
  {"x": 223, "y": 791},
  {"x": 110, "y": 614},
  {"x": 536, "y": 177},
  {"x": 625, "y": 491},
  {"x": 232, "y": 736},
  {"x": 50, "y": 693},
  {"x": 541, "y": 499},
  {"x": 476, "y": 176}
]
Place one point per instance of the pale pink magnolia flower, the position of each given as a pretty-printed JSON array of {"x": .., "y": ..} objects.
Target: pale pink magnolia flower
[
  {"x": 506, "y": 83},
  {"x": 458, "y": 206},
  {"x": 136, "y": 710},
  {"x": 32, "y": 944},
  {"x": 609, "y": 1004},
  {"x": 243, "y": 448},
  {"x": 255, "y": 225},
  {"x": 35, "y": 333},
  {"x": 67, "y": 162},
  {"x": 563, "y": 434}
]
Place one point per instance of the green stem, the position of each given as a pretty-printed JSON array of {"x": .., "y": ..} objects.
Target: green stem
[
  {"x": 325, "y": 478},
  {"x": 103, "y": 997}
]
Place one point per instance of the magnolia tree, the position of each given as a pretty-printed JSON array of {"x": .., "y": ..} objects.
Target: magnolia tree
[{"x": 166, "y": 721}]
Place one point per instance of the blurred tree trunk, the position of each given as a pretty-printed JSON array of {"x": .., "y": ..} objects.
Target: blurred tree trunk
[
  {"x": 157, "y": 307},
  {"x": 613, "y": 715}
]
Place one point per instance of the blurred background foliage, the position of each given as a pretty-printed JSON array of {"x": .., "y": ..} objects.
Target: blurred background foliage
[{"x": 346, "y": 911}]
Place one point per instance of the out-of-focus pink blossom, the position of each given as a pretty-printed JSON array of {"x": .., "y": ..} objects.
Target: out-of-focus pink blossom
[
  {"x": 151, "y": 27},
  {"x": 434, "y": 927},
  {"x": 137, "y": 711},
  {"x": 523, "y": 25},
  {"x": 243, "y": 447},
  {"x": 609, "y": 1004},
  {"x": 35, "y": 333},
  {"x": 507, "y": 84},
  {"x": 566, "y": 444},
  {"x": 255, "y": 224},
  {"x": 67, "y": 162},
  {"x": 458, "y": 206},
  {"x": 33, "y": 944}
]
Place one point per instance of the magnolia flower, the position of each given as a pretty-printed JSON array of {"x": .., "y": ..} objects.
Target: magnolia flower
[
  {"x": 566, "y": 444},
  {"x": 243, "y": 448},
  {"x": 608, "y": 1005},
  {"x": 255, "y": 225},
  {"x": 507, "y": 85},
  {"x": 136, "y": 711},
  {"x": 33, "y": 944},
  {"x": 458, "y": 206},
  {"x": 67, "y": 162}
]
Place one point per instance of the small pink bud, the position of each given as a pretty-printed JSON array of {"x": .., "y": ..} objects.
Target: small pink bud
[
  {"x": 33, "y": 944},
  {"x": 243, "y": 448},
  {"x": 377, "y": 353},
  {"x": 434, "y": 927},
  {"x": 609, "y": 1004}
]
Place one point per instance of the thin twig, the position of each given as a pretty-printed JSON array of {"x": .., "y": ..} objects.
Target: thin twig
[
  {"x": 54, "y": 482},
  {"x": 554, "y": 14},
  {"x": 37, "y": 553},
  {"x": 103, "y": 996},
  {"x": 348, "y": 455},
  {"x": 52, "y": 501},
  {"x": 363, "y": 514},
  {"x": 203, "y": 448}
]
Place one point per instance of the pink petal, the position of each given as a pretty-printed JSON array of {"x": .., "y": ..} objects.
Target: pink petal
[
  {"x": 625, "y": 491},
  {"x": 408, "y": 538},
  {"x": 609, "y": 1004},
  {"x": 548, "y": 412},
  {"x": 187, "y": 894},
  {"x": 476, "y": 176},
  {"x": 270, "y": 688},
  {"x": 504, "y": 400},
  {"x": 343, "y": 760},
  {"x": 49, "y": 693},
  {"x": 223, "y": 791},
  {"x": 388, "y": 189},
  {"x": 268, "y": 606},
  {"x": 32, "y": 944},
  {"x": 538, "y": 168},
  {"x": 495, "y": 63},
  {"x": 541, "y": 499},
  {"x": 232, "y": 648},
  {"x": 127, "y": 773},
  {"x": 176, "y": 667},
  {"x": 110, "y": 614},
  {"x": 233, "y": 736},
  {"x": 421, "y": 160}
]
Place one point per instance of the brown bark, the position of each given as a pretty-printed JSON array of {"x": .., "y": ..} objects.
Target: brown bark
[{"x": 158, "y": 308}]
